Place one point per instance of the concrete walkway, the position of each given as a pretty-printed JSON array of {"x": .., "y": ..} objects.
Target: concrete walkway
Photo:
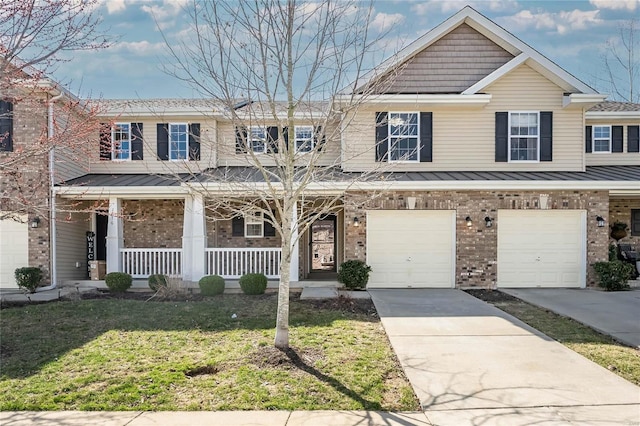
[
  {"x": 471, "y": 363},
  {"x": 616, "y": 313}
]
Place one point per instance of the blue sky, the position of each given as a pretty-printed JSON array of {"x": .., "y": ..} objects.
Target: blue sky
[{"x": 573, "y": 34}]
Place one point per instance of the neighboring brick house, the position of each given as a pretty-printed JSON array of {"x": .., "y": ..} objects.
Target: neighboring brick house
[{"x": 501, "y": 169}]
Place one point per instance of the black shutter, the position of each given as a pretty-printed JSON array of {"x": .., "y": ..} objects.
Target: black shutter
[
  {"x": 319, "y": 138},
  {"x": 269, "y": 230},
  {"x": 635, "y": 222},
  {"x": 426, "y": 137},
  {"x": 382, "y": 136},
  {"x": 163, "y": 141},
  {"x": 237, "y": 226},
  {"x": 502, "y": 137},
  {"x": 194, "y": 141},
  {"x": 6, "y": 126},
  {"x": 633, "y": 138},
  {"x": 105, "y": 141},
  {"x": 546, "y": 136},
  {"x": 616, "y": 139},
  {"x": 272, "y": 139},
  {"x": 241, "y": 140},
  {"x": 285, "y": 136},
  {"x": 136, "y": 142},
  {"x": 588, "y": 131}
]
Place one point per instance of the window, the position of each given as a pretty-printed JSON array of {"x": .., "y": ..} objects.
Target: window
[
  {"x": 253, "y": 224},
  {"x": 178, "y": 141},
  {"x": 304, "y": 138},
  {"x": 524, "y": 136},
  {"x": 635, "y": 222},
  {"x": 257, "y": 139},
  {"x": 121, "y": 137},
  {"x": 6, "y": 126},
  {"x": 602, "y": 139},
  {"x": 403, "y": 136}
]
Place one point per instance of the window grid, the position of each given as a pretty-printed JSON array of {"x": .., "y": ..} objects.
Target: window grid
[
  {"x": 178, "y": 141},
  {"x": 253, "y": 225},
  {"x": 257, "y": 139},
  {"x": 602, "y": 139},
  {"x": 304, "y": 138},
  {"x": 524, "y": 136},
  {"x": 121, "y": 137},
  {"x": 404, "y": 135}
]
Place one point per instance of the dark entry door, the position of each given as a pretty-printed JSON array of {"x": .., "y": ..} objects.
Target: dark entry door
[
  {"x": 323, "y": 244},
  {"x": 102, "y": 221}
]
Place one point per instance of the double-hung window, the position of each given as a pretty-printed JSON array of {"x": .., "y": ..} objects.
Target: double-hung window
[
  {"x": 254, "y": 224},
  {"x": 121, "y": 141},
  {"x": 304, "y": 138},
  {"x": 257, "y": 139},
  {"x": 602, "y": 139},
  {"x": 178, "y": 141},
  {"x": 404, "y": 136},
  {"x": 524, "y": 136}
]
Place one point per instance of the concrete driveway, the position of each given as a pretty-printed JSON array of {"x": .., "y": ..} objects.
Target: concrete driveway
[
  {"x": 616, "y": 313},
  {"x": 471, "y": 363}
]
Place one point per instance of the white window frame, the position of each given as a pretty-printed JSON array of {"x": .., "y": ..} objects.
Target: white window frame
[
  {"x": 537, "y": 136},
  {"x": 171, "y": 143},
  {"x": 114, "y": 149},
  {"x": 594, "y": 139},
  {"x": 389, "y": 137},
  {"x": 253, "y": 217},
  {"x": 312, "y": 139},
  {"x": 250, "y": 139}
]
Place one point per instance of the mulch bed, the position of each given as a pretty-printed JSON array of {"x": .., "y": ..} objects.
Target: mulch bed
[{"x": 491, "y": 296}]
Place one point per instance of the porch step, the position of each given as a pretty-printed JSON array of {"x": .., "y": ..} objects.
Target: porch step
[{"x": 634, "y": 283}]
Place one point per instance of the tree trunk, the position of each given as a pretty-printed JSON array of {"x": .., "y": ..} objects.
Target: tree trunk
[{"x": 282, "y": 318}]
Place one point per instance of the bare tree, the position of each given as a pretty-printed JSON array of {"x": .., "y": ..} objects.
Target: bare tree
[
  {"x": 270, "y": 66},
  {"x": 621, "y": 63}
]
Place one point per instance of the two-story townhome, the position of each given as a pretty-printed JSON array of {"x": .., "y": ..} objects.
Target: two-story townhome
[{"x": 497, "y": 168}]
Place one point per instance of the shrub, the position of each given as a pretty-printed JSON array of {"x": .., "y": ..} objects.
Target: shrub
[
  {"x": 613, "y": 252},
  {"x": 118, "y": 282},
  {"x": 28, "y": 278},
  {"x": 156, "y": 281},
  {"x": 613, "y": 275},
  {"x": 354, "y": 274},
  {"x": 253, "y": 283},
  {"x": 211, "y": 285}
]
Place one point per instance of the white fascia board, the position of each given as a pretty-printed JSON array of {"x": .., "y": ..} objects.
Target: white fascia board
[
  {"x": 497, "y": 74},
  {"x": 582, "y": 99},
  {"x": 131, "y": 192},
  {"x": 612, "y": 115},
  {"x": 480, "y": 100}
]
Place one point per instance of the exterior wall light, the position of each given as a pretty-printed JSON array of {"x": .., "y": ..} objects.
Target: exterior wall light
[
  {"x": 35, "y": 222},
  {"x": 469, "y": 221},
  {"x": 356, "y": 222},
  {"x": 600, "y": 221},
  {"x": 488, "y": 222}
]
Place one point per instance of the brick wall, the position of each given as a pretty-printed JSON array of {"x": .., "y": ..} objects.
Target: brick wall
[
  {"x": 620, "y": 211},
  {"x": 219, "y": 235},
  {"x": 476, "y": 247},
  {"x": 153, "y": 223}
]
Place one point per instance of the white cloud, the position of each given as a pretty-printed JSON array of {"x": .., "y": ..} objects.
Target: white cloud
[
  {"x": 140, "y": 48},
  {"x": 115, "y": 6},
  {"x": 452, "y": 6},
  {"x": 166, "y": 10},
  {"x": 616, "y": 4},
  {"x": 560, "y": 22},
  {"x": 384, "y": 21}
]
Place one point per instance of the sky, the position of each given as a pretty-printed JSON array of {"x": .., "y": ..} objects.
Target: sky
[{"x": 572, "y": 33}]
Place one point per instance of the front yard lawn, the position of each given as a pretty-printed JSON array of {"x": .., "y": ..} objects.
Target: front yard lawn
[{"x": 192, "y": 355}]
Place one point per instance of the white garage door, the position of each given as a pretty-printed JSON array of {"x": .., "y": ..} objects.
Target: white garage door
[
  {"x": 14, "y": 249},
  {"x": 411, "y": 248},
  {"x": 541, "y": 248}
]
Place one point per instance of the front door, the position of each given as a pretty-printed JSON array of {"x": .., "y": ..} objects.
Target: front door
[{"x": 323, "y": 244}]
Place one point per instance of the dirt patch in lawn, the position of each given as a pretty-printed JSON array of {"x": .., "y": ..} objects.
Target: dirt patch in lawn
[
  {"x": 492, "y": 296},
  {"x": 345, "y": 304},
  {"x": 270, "y": 356}
]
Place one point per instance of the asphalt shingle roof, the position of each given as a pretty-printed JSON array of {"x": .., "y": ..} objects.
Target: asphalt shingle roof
[{"x": 611, "y": 106}]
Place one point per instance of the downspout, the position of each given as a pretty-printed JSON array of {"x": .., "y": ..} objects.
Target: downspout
[{"x": 52, "y": 199}]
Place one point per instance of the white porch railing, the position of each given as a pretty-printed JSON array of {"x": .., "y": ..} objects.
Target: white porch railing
[
  {"x": 235, "y": 262},
  {"x": 142, "y": 262}
]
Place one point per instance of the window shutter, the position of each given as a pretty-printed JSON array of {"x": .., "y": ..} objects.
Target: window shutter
[
  {"x": 635, "y": 222},
  {"x": 272, "y": 139},
  {"x": 237, "y": 226},
  {"x": 241, "y": 140},
  {"x": 546, "y": 136},
  {"x": 105, "y": 141},
  {"x": 319, "y": 138},
  {"x": 502, "y": 137},
  {"x": 194, "y": 141},
  {"x": 616, "y": 139},
  {"x": 426, "y": 137},
  {"x": 269, "y": 230},
  {"x": 136, "y": 142},
  {"x": 633, "y": 138},
  {"x": 6, "y": 126},
  {"x": 285, "y": 136},
  {"x": 382, "y": 136},
  {"x": 163, "y": 141},
  {"x": 587, "y": 139}
]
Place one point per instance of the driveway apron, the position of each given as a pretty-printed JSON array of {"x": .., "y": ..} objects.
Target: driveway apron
[{"x": 467, "y": 360}]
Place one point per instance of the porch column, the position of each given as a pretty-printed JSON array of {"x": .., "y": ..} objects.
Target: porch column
[
  {"x": 194, "y": 239},
  {"x": 295, "y": 250},
  {"x": 187, "y": 247},
  {"x": 115, "y": 238}
]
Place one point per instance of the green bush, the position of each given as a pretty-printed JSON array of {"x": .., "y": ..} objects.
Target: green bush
[
  {"x": 28, "y": 278},
  {"x": 253, "y": 283},
  {"x": 118, "y": 282},
  {"x": 613, "y": 252},
  {"x": 211, "y": 285},
  {"x": 614, "y": 275},
  {"x": 156, "y": 281},
  {"x": 354, "y": 274}
]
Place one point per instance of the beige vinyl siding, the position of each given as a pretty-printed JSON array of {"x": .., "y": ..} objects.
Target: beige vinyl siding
[
  {"x": 452, "y": 64},
  {"x": 464, "y": 137},
  {"x": 71, "y": 245},
  {"x": 151, "y": 164},
  {"x": 615, "y": 158},
  {"x": 227, "y": 156}
]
